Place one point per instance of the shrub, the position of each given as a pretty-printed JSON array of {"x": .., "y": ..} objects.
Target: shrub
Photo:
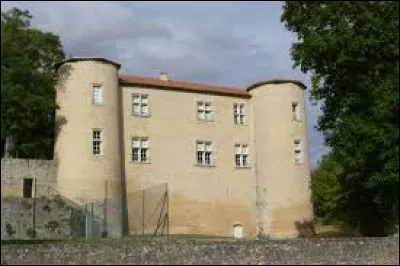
[
  {"x": 59, "y": 201},
  {"x": 9, "y": 229},
  {"x": 52, "y": 225},
  {"x": 46, "y": 208},
  {"x": 326, "y": 192}
]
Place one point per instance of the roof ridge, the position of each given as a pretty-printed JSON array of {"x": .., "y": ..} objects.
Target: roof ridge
[{"x": 179, "y": 81}]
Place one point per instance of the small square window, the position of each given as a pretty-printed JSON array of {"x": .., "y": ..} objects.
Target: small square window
[
  {"x": 204, "y": 152},
  {"x": 140, "y": 105},
  {"x": 97, "y": 95},
  {"x": 295, "y": 111},
  {"x": 297, "y": 151},
  {"x": 97, "y": 141},
  {"x": 204, "y": 111},
  {"x": 241, "y": 155},
  {"x": 140, "y": 150},
  {"x": 238, "y": 113}
]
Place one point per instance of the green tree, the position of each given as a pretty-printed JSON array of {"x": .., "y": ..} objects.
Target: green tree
[
  {"x": 28, "y": 79},
  {"x": 326, "y": 194},
  {"x": 352, "y": 51}
]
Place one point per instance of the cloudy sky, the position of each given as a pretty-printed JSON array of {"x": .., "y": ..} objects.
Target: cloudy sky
[{"x": 224, "y": 43}]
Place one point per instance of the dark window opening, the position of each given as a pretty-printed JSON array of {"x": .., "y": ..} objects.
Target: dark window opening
[{"x": 28, "y": 182}]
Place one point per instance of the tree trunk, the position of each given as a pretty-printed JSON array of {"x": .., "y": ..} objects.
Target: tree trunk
[{"x": 8, "y": 147}]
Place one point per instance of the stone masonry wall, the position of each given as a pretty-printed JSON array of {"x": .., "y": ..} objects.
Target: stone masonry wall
[
  {"x": 314, "y": 251},
  {"x": 13, "y": 172}
]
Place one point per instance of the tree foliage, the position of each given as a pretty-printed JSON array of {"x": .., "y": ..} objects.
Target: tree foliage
[
  {"x": 325, "y": 187},
  {"x": 28, "y": 79},
  {"x": 352, "y": 51}
]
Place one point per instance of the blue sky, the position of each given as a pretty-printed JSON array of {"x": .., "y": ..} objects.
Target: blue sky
[{"x": 223, "y": 43}]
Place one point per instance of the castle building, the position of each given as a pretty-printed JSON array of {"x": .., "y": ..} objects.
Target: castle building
[{"x": 234, "y": 161}]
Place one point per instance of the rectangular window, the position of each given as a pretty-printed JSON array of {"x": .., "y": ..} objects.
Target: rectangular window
[
  {"x": 140, "y": 150},
  {"x": 238, "y": 113},
  {"x": 28, "y": 184},
  {"x": 295, "y": 112},
  {"x": 204, "y": 111},
  {"x": 97, "y": 141},
  {"x": 97, "y": 95},
  {"x": 140, "y": 105},
  {"x": 298, "y": 151},
  {"x": 241, "y": 155},
  {"x": 204, "y": 152}
]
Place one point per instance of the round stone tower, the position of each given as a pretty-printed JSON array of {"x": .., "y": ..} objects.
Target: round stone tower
[
  {"x": 87, "y": 151},
  {"x": 282, "y": 169}
]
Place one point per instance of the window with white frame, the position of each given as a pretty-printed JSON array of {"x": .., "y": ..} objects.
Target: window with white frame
[
  {"x": 241, "y": 155},
  {"x": 97, "y": 142},
  {"x": 295, "y": 111},
  {"x": 140, "y": 106},
  {"x": 204, "y": 152},
  {"x": 238, "y": 113},
  {"x": 140, "y": 150},
  {"x": 97, "y": 95},
  {"x": 204, "y": 111},
  {"x": 298, "y": 151}
]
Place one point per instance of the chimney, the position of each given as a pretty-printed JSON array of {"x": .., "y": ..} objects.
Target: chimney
[{"x": 164, "y": 76}]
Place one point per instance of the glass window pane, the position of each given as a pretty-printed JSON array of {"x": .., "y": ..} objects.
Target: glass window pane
[
  {"x": 200, "y": 106},
  {"x": 136, "y": 98},
  {"x": 135, "y": 154},
  {"x": 143, "y": 155},
  {"x": 245, "y": 149},
  {"x": 241, "y": 108},
  {"x": 200, "y": 146},
  {"x": 241, "y": 121},
  {"x": 201, "y": 115},
  {"x": 97, "y": 94},
  {"x": 208, "y": 157},
  {"x": 136, "y": 144},
  {"x": 236, "y": 119},
  {"x": 237, "y": 160},
  {"x": 297, "y": 144},
  {"x": 238, "y": 149},
  {"x": 96, "y": 134},
  {"x": 208, "y": 116},
  {"x": 199, "y": 157},
  {"x": 145, "y": 109},
  {"x": 245, "y": 160},
  {"x": 96, "y": 147},
  {"x": 136, "y": 108},
  {"x": 145, "y": 143},
  {"x": 208, "y": 146}
]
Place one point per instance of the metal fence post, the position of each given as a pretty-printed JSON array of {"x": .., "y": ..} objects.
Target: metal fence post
[
  {"x": 105, "y": 231},
  {"x": 143, "y": 212},
  {"x": 167, "y": 193},
  {"x": 92, "y": 219},
  {"x": 86, "y": 222},
  {"x": 34, "y": 210}
]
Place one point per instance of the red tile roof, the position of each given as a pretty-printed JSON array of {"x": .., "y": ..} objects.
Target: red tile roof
[{"x": 183, "y": 86}]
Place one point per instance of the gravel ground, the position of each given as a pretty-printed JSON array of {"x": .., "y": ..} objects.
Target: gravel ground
[{"x": 367, "y": 251}]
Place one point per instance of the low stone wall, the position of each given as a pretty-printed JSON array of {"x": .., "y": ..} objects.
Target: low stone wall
[
  {"x": 13, "y": 172},
  {"x": 54, "y": 218},
  {"x": 372, "y": 251}
]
